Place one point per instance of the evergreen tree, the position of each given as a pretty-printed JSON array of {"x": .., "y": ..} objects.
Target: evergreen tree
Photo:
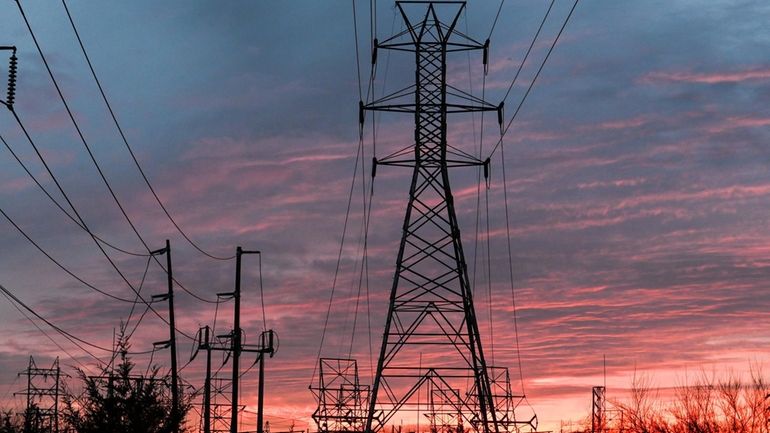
[
  {"x": 120, "y": 402},
  {"x": 9, "y": 423}
]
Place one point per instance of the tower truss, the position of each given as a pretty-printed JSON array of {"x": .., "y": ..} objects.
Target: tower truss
[{"x": 431, "y": 363}]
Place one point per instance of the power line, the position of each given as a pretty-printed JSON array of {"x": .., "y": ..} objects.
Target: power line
[
  {"x": 59, "y": 264},
  {"x": 48, "y": 336},
  {"x": 529, "y": 50},
  {"x": 358, "y": 61},
  {"x": 79, "y": 222},
  {"x": 339, "y": 260},
  {"x": 79, "y": 342},
  {"x": 510, "y": 270},
  {"x": 82, "y": 221},
  {"x": 136, "y": 300},
  {"x": 124, "y": 326},
  {"x": 532, "y": 83},
  {"x": 262, "y": 293},
  {"x": 90, "y": 154},
  {"x": 363, "y": 246},
  {"x": 497, "y": 16},
  {"x": 81, "y": 225},
  {"x": 69, "y": 336},
  {"x": 61, "y": 208},
  {"x": 360, "y": 157},
  {"x": 129, "y": 148},
  {"x": 478, "y": 189}
]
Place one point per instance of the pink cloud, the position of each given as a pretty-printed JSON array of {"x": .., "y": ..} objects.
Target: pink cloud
[
  {"x": 708, "y": 78},
  {"x": 633, "y": 122},
  {"x": 738, "y": 123},
  {"x": 15, "y": 185}
]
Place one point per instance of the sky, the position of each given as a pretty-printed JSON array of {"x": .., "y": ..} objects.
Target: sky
[{"x": 637, "y": 186}]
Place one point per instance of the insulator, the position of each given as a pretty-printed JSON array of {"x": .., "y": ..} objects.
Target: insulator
[
  {"x": 500, "y": 114},
  {"x": 486, "y": 169},
  {"x": 486, "y": 56},
  {"x": 374, "y": 51},
  {"x": 12, "y": 69},
  {"x": 374, "y": 167},
  {"x": 361, "y": 113}
]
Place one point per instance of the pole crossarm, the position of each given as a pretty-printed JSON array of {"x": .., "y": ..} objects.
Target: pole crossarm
[{"x": 403, "y": 101}]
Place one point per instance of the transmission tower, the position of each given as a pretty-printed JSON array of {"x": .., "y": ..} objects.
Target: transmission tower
[
  {"x": 43, "y": 394},
  {"x": 431, "y": 315}
]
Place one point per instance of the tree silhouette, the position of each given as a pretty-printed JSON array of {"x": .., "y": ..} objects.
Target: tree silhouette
[
  {"x": 121, "y": 402},
  {"x": 9, "y": 423}
]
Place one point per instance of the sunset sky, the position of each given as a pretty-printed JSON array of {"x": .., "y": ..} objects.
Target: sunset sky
[{"x": 637, "y": 180}]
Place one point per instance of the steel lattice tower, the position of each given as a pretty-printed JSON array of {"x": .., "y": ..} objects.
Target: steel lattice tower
[
  {"x": 431, "y": 339},
  {"x": 43, "y": 392}
]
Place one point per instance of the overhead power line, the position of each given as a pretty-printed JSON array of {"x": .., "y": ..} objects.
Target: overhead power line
[
  {"x": 534, "y": 79},
  {"x": 60, "y": 207},
  {"x": 128, "y": 146},
  {"x": 69, "y": 336},
  {"x": 82, "y": 221},
  {"x": 497, "y": 17},
  {"x": 58, "y": 263},
  {"x": 74, "y": 339},
  {"x": 358, "y": 61},
  {"x": 93, "y": 160},
  {"x": 85, "y": 283},
  {"x": 76, "y": 221},
  {"x": 47, "y": 335},
  {"x": 339, "y": 260},
  {"x": 529, "y": 50}
]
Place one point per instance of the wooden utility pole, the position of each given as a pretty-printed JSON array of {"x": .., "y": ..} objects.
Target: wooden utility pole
[
  {"x": 235, "y": 348},
  {"x": 171, "y": 343},
  {"x": 237, "y": 345},
  {"x": 205, "y": 344}
]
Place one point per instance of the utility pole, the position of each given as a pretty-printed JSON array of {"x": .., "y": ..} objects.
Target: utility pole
[
  {"x": 237, "y": 346},
  {"x": 171, "y": 343},
  {"x": 28, "y": 412},
  {"x": 266, "y": 347},
  {"x": 56, "y": 397},
  {"x": 236, "y": 340},
  {"x": 205, "y": 344},
  {"x": 235, "y": 349}
]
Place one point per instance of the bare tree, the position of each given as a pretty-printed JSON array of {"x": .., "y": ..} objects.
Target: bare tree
[{"x": 730, "y": 405}]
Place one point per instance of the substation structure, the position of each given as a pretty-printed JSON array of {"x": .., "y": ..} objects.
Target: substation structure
[
  {"x": 43, "y": 394},
  {"x": 602, "y": 416},
  {"x": 431, "y": 369}
]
